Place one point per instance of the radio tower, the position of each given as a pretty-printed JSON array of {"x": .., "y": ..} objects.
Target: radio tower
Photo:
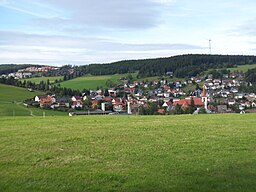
[{"x": 210, "y": 46}]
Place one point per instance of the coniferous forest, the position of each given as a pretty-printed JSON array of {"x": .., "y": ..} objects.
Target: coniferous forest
[{"x": 181, "y": 66}]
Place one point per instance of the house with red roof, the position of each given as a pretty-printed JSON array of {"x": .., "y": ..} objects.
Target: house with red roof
[
  {"x": 185, "y": 103},
  {"x": 77, "y": 104},
  {"x": 76, "y": 98}
]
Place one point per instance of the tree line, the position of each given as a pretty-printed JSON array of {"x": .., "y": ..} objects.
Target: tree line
[
  {"x": 11, "y": 68},
  {"x": 181, "y": 66},
  {"x": 49, "y": 88}
]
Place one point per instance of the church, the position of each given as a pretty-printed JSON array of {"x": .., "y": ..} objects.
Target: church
[{"x": 198, "y": 101}]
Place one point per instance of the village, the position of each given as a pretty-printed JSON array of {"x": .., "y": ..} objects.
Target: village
[
  {"x": 29, "y": 71},
  {"x": 210, "y": 95}
]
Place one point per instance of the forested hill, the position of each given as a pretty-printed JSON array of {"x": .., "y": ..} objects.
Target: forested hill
[
  {"x": 11, "y": 68},
  {"x": 181, "y": 66}
]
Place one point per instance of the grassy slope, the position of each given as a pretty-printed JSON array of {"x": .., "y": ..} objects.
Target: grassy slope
[
  {"x": 243, "y": 68},
  {"x": 91, "y": 82},
  {"x": 11, "y": 99},
  {"x": 128, "y": 153},
  {"x": 39, "y": 79}
]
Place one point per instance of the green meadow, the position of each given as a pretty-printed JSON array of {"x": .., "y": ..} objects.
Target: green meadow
[
  {"x": 243, "y": 68},
  {"x": 128, "y": 153},
  {"x": 92, "y": 82},
  {"x": 11, "y": 102}
]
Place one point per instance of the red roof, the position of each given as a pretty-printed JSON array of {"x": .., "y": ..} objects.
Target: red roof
[
  {"x": 77, "y": 102},
  {"x": 124, "y": 100},
  {"x": 187, "y": 102},
  {"x": 167, "y": 87},
  {"x": 118, "y": 103},
  {"x": 77, "y": 97},
  {"x": 161, "y": 111},
  {"x": 95, "y": 101},
  {"x": 117, "y": 99},
  {"x": 108, "y": 99},
  {"x": 48, "y": 100}
]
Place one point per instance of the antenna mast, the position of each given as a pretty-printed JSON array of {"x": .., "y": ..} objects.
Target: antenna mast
[{"x": 210, "y": 46}]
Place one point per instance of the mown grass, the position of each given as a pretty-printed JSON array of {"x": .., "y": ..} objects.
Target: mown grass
[
  {"x": 11, "y": 103},
  {"x": 37, "y": 80},
  {"x": 128, "y": 153}
]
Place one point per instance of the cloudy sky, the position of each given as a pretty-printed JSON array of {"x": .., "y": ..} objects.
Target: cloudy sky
[{"x": 59, "y": 32}]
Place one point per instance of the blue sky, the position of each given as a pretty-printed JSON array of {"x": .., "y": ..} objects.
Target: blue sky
[{"x": 59, "y": 32}]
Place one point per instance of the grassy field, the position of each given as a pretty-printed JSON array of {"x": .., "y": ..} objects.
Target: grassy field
[
  {"x": 37, "y": 80},
  {"x": 128, "y": 153},
  {"x": 243, "y": 68},
  {"x": 92, "y": 82},
  {"x": 11, "y": 102}
]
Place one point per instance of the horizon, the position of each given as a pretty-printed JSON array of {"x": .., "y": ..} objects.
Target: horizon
[
  {"x": 83, "y": 32},
  {"x": 117, "y": 61}
]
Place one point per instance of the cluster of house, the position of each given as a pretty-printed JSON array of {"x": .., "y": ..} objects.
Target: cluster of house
[
  {"x": 28, "y": 72},
  {"x": 38, "y": 69},
  {"x": 217, "y": 96},
  {"x": 17, "y": 75},
  {"x": 227, "y": 93},
  {"x": 138, "y": 94}
]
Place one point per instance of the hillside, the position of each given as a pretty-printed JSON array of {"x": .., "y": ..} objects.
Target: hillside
[
  {"x": 11, "y": 68},
  {"x": 181, "y": 65},
  {"x": 92, "y": 82},
  {"x": 128, "y": 153},
  {"x": 11, "y": 102}
]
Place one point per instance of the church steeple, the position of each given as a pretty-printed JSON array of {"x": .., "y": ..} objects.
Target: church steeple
[
  {"x": 204, "y": 97},
  {"x": 204, "y": 91}
]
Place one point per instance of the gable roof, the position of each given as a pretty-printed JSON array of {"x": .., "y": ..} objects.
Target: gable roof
[
  {"x": 187, "y": 102},
  {"x": 108, "y": 99}
]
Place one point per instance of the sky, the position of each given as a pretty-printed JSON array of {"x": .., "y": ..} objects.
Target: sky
[{"x": 80, "y": 32}]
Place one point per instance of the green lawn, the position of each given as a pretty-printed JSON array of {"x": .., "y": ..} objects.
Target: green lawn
[
  {"x": 129, "y": 153},
  {"x": 11, "y": 102},
  {"x": 37, "y": 80}
]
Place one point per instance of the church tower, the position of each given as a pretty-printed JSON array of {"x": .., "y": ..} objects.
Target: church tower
[{"x": 204, "y": 97}]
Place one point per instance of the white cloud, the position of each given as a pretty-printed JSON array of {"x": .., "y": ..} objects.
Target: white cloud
[
  {"x": 113, "y": 13},
  {"x": 87, "y": 31},
  {"x": 33, "y": 8},
  {"x": 165, "y": 2},
  {"x": 22, "y": 47}
]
